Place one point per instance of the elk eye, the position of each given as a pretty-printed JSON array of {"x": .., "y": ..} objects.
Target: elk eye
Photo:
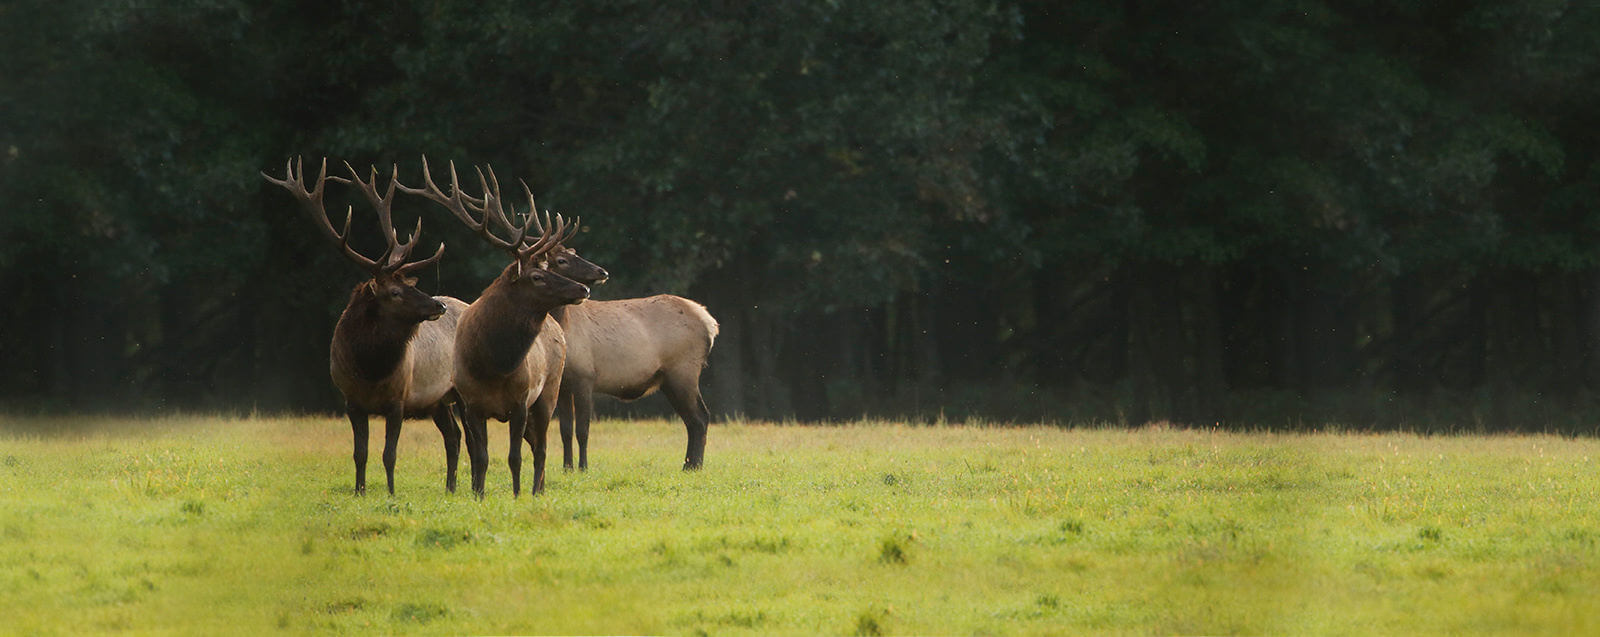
[
  {"x": 395, "y": 293},
  {"x": 561, "y": 261}
]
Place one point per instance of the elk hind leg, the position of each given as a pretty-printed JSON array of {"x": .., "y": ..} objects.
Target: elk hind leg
[
  {"x": 683, "y": 391},
  {"x": 444, "y": 418},
  {"x": 583, "y": 412},
  {"x": 564, "y": 411}
]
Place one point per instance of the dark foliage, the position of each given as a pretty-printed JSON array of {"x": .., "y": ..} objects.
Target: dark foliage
[{"x": 1291, "y": 213}]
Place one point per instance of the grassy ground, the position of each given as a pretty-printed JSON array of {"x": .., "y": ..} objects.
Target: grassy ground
[{"x": 239, "y": 526}]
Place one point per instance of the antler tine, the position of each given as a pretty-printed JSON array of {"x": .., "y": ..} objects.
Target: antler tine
[
  {"x": 529, "y": 218},
  {"x": 344, "y": 237},
  {"x": 491, "y": 196},
  {"x": 432, "y": 191},
  {"x": 388, "y": 200},
  {"x": 533, "y": 208},
  {"x": 550, "y": 238},
  {"x": 494, "y": 206},
  {"x": 395, "y": 253},
  {"x": 457, "y": 202},
  {"x": 417, "y": 265},
  {"x": 542, "y": 227},
  {"x": 311, "y": 203},
  {"x": 505, "y": 218},
  {"x": 400, "y": 251},
  {"x": 577, "y": 222}
]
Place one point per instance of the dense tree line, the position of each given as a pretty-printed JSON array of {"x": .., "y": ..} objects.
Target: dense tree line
[{"x": 1284, "y": 213}]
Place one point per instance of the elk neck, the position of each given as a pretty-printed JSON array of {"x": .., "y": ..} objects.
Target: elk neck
[
  {"x": 368, "y": 340},
  {"x": 512, "y": 317}
]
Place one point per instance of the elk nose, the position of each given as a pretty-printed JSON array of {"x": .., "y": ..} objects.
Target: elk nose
[
  {"x": 438, "y": 310},
  {"x": 604, "y": 276}
]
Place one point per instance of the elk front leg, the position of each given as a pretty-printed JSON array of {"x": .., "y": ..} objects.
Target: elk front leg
[
  {"x": 475, "y": 426},
  {"x": 358, "y": 433},
  {"x": 518, "y": 423},
  {"x": 391, "y": 443},
  {"x": 538, "y": 432},
  {"x": 445, "y": 420}
]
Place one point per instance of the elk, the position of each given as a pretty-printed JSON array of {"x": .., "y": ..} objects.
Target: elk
[
  {"x": 393, "y": 347},
  {"x": 627, "y": 349},
  {"x": 509, "y": 352}
]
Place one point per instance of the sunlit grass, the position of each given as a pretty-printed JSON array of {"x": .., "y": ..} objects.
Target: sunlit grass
[{"x": 208, "y": 525}]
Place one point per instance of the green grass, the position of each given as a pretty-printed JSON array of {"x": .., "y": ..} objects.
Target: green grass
[{"x": 248, "y": 525}]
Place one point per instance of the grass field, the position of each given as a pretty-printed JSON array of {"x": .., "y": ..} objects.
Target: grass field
[{"x": 241, "y": 526}]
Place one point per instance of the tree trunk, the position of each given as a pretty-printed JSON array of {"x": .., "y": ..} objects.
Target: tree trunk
[
  {"x": 725, "y": 376},
  {"x": 1210, "y": 381}
]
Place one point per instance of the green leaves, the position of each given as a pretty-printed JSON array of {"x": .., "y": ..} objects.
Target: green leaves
[{"x": 796, "y": 157}]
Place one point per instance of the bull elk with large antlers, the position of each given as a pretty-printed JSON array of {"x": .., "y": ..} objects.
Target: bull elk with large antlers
[
  {"x": 627, "y": 349},
  {"x": 393, "y": 348},
  {"x": 509, "y": 352}
]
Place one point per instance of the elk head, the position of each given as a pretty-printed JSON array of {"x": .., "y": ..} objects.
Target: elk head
[
  {"x": 530, "y": 255},
  {"x": 392, "y": 287},
  {"x": 564, "y": 260}
]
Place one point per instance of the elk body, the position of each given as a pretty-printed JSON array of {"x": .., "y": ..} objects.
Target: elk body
[
  {"x": 509, "y": 352},
  {"x": 393, "y": 348},
  {"x": 628, "y": 349}
]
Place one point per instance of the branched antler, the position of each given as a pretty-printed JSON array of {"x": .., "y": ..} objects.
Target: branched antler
[
  {"x": 477, "y": 213},
  {"x": 394, "y": 257}
]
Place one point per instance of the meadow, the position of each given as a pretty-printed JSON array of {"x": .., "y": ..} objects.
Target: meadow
[{"x": 248, "y": 525}]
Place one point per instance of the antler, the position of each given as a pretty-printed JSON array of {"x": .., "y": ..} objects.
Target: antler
[
  {"x": 540, "y": 228},
  {"x": 311, "y": 203},
  {"x": 463, "y": 205},
  {"x": 394, "y": 259},
  {"x": 552, "y": 236},
  {"x": 490, "y": 207}
]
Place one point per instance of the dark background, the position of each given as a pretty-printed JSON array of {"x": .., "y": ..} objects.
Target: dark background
[{"x": 1279, "y": 214}]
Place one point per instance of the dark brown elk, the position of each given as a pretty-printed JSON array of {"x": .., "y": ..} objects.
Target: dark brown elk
[
  {"x": 393, "y": 347},
  {"x": 627, "y": 349},
  {"x": 509, "y": 352}
]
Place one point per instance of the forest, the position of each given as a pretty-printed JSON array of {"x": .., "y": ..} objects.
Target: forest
[{"x": 1290, "y": 214}]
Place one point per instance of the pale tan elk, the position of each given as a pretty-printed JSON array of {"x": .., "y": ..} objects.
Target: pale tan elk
[
  {"x": 627, "y": 349},
  {"x": 509, "y": 352},
  {"x": 393, "y": 347}
]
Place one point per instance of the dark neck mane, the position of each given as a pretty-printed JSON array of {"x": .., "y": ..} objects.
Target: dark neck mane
[
  {"x": 512, "y": 318},
  {"x": 367, "y": 342}
]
